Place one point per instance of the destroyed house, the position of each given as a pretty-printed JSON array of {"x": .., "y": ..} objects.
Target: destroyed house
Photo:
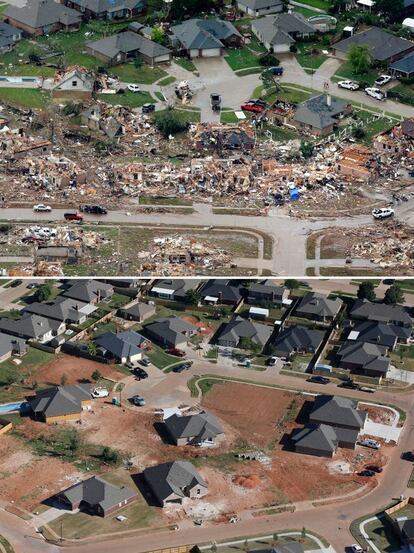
[
  {"x": 122, "y": 347},
  {"x": 219, "y": 138},
  {"x": 357, "y": 162},
  {"x": 383, "y": 46},
  {"x": 89, "y": 291},
  {"x": 220, "y": 292},
  {"x": 199, "y": 429},
  {"x": 172, "y": 482},
  {"x": 62, "y": 254},
  {"x": 387, "y": 335},
  {"x": 107, "y": 9},
  {"x": 234, "y": 332},
  {"x": 297, "y": 339},
  {"x": 32, "y": 148},
  {"x": 173, "y": 288},
  {"x": 381, "y": 312},
  {"x": 318, "y": 307},
  {"x": 364, "y": 358},
  {"x": 170, "y": 332},
  {"x": 32, "y": 327},
  {"x": 60, "y": 402},
  {"x": 96, "y": 496},
  {"x": 74, "y": 81},
  {"x": 267, "y": 291},
  {"x": 42, "y": 17},
  {"x": 320, "y": 114},
  {"x": 66, "y": 310},
  {"x": 116, "y": 49},
  {"x": 198, "y": 38}
]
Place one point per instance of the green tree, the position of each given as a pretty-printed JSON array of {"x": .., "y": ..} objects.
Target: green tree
[
  {"x": 394, "y": 295},
  {"x": 303, "y": 533},
  {"x": 390, "y": 9},
  {"x": 192, "y": 297},
  {"x": 168, "y": 122},
  {"x": 184, "y": 8},
  {"x": 292, "y": 283},
  {"x": 358, "y": 133},
  {"x": 359, "y": 56},
  {"x": 44, "y": 292},
  {"x": 306, "y": 149},
  {"x": 110, "y": 456},
  {"x": 74, "y": 443},
  {"x": 247, "y": 343},
  {"x": 138, "y": 61},
  {"x": 92, "y": 348},
  {"x": 158, "y": 35},
  {"x": 366, "y": 291},
  {"x": 96, "y": 375}
]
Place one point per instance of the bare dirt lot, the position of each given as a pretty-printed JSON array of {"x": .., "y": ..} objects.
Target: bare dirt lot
[{"x": 75, "y": 370}]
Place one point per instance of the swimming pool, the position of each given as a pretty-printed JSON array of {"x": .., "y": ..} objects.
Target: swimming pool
[{"x": 10, "y": 407}]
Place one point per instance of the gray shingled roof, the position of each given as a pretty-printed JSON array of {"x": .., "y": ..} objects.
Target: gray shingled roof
[
  {"x": 319, "y": 437},
  {"x": 260, "y": 4},
  {"x": 96, "y": 491},
  {"x": 198, "y": 427},
  {"x": 171, "y": 329},
  {"x": 276, "y": 29},
  {"x": 243, "y": 328},
  {"x": 297, "y": 338},
  {"x": 29, "y": 326},
  {"x": 337, "y": 411},
  {"x": 381, "y": 312},
  {"x": 120, "y": 345},
  {"x": 179, "y": 285},
  {"x": 41, "y": 13},
  {"x": 382, "y": 45},
  {"x": 100, "y": 6},
  {"x": 88, "y": 290},
  {"x": 379, "y": 333},
  {"x": 61, "y": 309},
  {"x": 365, "y": 355},
  {"x": 11, "y": 344},
  {"x": 217, "y": 288},
  {"x": 204, "y": 34},
  {"x": 317, "y": 113},
  {"x": 314, "y": 303},
  {"x": 172, "y": 478},
  {"x": 127, "y": 42},
  {"x": 60, "y": 400},
  {"x": 137, "y": 309},
  {"x": 267, "y": 287},
  {"x": 405, "y": 65}
]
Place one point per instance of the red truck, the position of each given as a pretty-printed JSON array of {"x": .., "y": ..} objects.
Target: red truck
[{"x": 73, "y": 217}]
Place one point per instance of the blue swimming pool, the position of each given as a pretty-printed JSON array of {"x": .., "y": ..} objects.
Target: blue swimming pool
[{"x": 10, "y": 407}]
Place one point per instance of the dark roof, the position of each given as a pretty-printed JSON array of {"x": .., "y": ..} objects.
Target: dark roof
[
  {"x": 365, "y": 356},
  {"x": 29, "y": 326},
  {"x": 314, "y": 303},
  {"x": 172, "y": 478},
  {"x": 381, "y": 312},
  {"x": 198, "y": 427},
  {"x": 127, "y": 42},
  {"x": 101, "y": 6},
  {"x": 378, "y": 333},
  {"x": 382, "y": 45},
  {"x": 204, "y": 33},
  {"x": 337, "y": 411},
  {"x": 180, "y": 286},
  {"x": 297, "y": 338},
  {"x": 41, "y": 13},
  {"x": 97, "y": 492},
  {"x": 319, "y": 437},
  {"x": 243, "y": 328},
  {"x": 123, "y": 344},
  {"x": 267, "y": 287},
  {"x": 317, "y": 113},
  {"x": 217, "y": 288},
  {"x": 405, "y": 65},
  {"x": 406, "y": 527},
  {"x": 260, "y": 4},
  {"x": 88, "y": 290},
  {"x": 60, "y": 400},
  {"x": 11, "y": 344},
  {"x": 61, "y": 309},
  {"x": 8, "y": 34},
  {"x": 277, "y": 29},
  {"x": 171, "y": 329},
  {"x": 137, "y": 309}
]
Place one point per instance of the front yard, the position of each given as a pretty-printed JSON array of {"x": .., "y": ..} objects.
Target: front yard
[
  {"x": 403, "y": 358},
  {"x": 241, "y": 58},
  {"x": 145, "y": 74},
  {"x": 128, "y": 99},
  {"x": 345, "y": 71}
]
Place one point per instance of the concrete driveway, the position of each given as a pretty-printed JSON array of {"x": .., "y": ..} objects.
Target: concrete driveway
[
  {"x": 396, "y": 373},
  {"x": 384, "y": 431}
]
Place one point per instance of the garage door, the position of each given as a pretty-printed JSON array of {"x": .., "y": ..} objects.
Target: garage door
[{"x": 213, "y": 53}]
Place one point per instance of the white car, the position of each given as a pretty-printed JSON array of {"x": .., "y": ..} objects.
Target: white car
[
  {"x": 272, "y": 361},
  {"x": 376, "y": 93},
  {"x": 355, "y": 548},
  {"x": 42, "y": 207},
  {"x": 133, "y": 88},
  {"x": 100, "y": 392},
  {"x": 382, "y": 80},
  {"x": 349, "y": 85},
  {"x": 373, "y": 444},
  {"x": 382, "y": 213}
]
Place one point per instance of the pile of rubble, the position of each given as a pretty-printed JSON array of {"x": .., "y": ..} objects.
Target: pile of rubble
[{"x": 180, "y": 256}]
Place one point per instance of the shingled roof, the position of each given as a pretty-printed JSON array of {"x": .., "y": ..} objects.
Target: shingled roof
[
  {"x": 196, "y": 427},
  {"x": 41, "y": 13},
  {"x": 337, "y": 411},
  {"x": 172, "y": 478},
  {"x": 60, "y": 400}
]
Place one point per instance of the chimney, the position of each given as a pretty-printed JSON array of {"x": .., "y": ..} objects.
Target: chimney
[{"x": 328, "y": 100}]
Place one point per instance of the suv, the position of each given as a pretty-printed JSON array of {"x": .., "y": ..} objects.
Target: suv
[
  {"x": 318, "y": 379},
  {"x": 276, "y": 70},
  {"x": 139, "y": 401},
  {"x": 140, "y": 373},
  {"x": 145, "y": 361},
  {"x": 148, "y": 108},
  {"x": 272, "y": 361},
  {"x": 382, "y": 213},
  {"x": 96, "y": 209},
  {"x": 182, "y": 367},
  {"x": 376, "y": 93},
  {"x": 367, "y": 442},
  {"x": 73, "y": 217},
  {"x": 15, "y": 283},
  {"x": 349, "y": 384},
  {"x": 366, "y": 472}
]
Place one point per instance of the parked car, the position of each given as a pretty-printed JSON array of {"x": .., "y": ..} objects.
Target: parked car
[
  {"x": 382, "y": 80},
  {"x": 349, "y": 384},
  {"x": 376, "y": 93},
  {"x": 100, "y": 392},
  {"x": 139, "y": 401},
  {"x": 95, "y": 209},
  {"x": 367, "y": 389},
  {"x": 140, "y": 373},
  {"x": 15, "y": 283},
  {"x": 145, "y": 361},
  {"x": 368, "y": 442},
  {"x": 276, "y": 70},
  {"x": 318, "y": 379},
  {"x": 175, "y": 351},
  {"x": 272, "y": 361},
  {"x": 248, "y": 106},
  {"x": 383, "y": 213},
  {"x": 257, "y": 102},
  {"x": 73, "y": 217},
  {"x": 366, "y": 473},
  {"x": 215, "y": 101},
  {"x": 133, "y": 88},
  {"x": 31, "y": 286},
  {"x": 355, "y": 548},
  {"x": 374, "y": 468},
  {"x": 148, "y": 108},
  {"x": 42, "y": 207},
  {"x": 349, "y": 85},
  {"x": 182, "y": 367}
]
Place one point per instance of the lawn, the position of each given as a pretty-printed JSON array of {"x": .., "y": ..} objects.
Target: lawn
[
  {"x": 166, "y": 81},
  {"x": 159, "y": 358},
  {"x": 381, "y": 533},
  {"x": 241, "y": 58},
  {"x": 402, "y": 93},
  {"x": 186, "y": 64},
  {"x": 24, "y": 97},
  {"x": 288, "y": 93},
  {"x": 305, "y": 56},
  {"x": 228, "y": 117},
  {"x": 145, "y": 74},
  {"x": 187, "y": 116},
  {"x": 27, "y": 70},
  {"x": 300, "y": 362},
  {"x": 345, "y": 71},
  {"x": 320, "y": 4},
  {"x": 407, "y": 353},
  {"x": 32, "y": 360},
  {"x": 374, "y": 127},
  {"x": 128, "y": 99}
]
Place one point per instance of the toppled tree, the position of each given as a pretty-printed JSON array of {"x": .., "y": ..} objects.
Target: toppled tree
[
  {"x": 269, "y": 60},
  {"x": 168, "y": 122}
]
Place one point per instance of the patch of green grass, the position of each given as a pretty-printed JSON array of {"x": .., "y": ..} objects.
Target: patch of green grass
[
  {"x": 241, "y": 58},
  {"x": 308, "y": 59},
  {"x": 249, "y": 71},
  {"x": 159, "y": 358},
  {"x": 187, "y": 116},
  {"x": 166, "y": 81},
  {"x": 186, "y": 64},
  {"x": 26, "y": 70},
  {"x": 228, "y": 117},
  {"x": 307, "y": 12},
  {"x": 128, "y": 99},
  {"x": 33, "y": 98},
  {"x": 403, "y": 358},
  {"x": 5, "y": 543},
  {"x": 345, "y": 71},
  {"x": 128, "y": 73},
  {"x": 321, "y": 4}
]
